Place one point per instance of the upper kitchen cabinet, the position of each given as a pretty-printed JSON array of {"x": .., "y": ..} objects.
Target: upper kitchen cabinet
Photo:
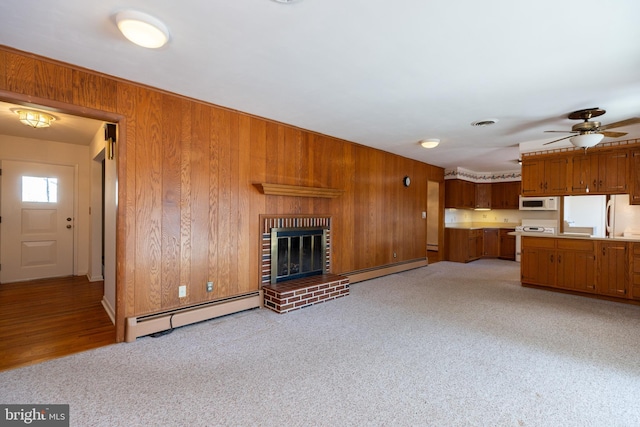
[
  {"x": 596, "y": 171},
  {"x": 459, "y": 194},
  {"x": 634, "y": 175},
  {"x": 544, "y": 176},
  {"x": 504, "y": 195},
  {"x": 599, "y": 173},
  {"x": 612, "y": 172},
  {"x": 462, "y": 194},
  {"x": 483, "y": 196}
]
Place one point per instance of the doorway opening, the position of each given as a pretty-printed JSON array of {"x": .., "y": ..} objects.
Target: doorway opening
[{"x": 93, "y": 222}]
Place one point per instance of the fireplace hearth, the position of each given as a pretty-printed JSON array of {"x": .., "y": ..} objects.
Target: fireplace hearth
[{"x": 296, "y": 263}]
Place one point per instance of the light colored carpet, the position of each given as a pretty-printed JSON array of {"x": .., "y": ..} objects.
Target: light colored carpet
[{"x": 445, "y": 345}]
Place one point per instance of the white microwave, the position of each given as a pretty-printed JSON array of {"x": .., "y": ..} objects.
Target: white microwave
[{"x": 538, "y": 203}]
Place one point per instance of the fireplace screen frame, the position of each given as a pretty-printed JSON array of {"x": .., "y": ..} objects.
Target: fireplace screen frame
[{"x": 300, "y": 232}]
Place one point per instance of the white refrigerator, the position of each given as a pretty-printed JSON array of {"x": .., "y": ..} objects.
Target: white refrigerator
[{"x": 623, "y": 219}]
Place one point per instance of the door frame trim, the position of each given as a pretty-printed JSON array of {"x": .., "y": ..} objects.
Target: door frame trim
[{"x": 120, "y": 157}]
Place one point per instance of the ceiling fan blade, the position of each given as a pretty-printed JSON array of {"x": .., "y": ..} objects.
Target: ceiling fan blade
[
  {"x": 562, "y": 131},
  {"x": 628, "y": 122},
  {"x": 556, "y": 140},
  {"x": 613, "y": 134}
]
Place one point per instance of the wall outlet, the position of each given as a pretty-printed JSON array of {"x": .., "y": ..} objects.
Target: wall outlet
[
  {"x": 395, "y": 255},
  {"x": 182, "y": 291},
  {"x": 424, "y": 215},
  {"x": 209, "y": 286}
]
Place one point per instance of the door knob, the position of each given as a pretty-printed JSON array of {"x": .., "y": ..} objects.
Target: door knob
[
  {"x": 68, "y": 225},
  {"x": 68, "y": 219}
]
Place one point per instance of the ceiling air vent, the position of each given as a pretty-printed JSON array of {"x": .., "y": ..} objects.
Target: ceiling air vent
[{"x": 487, "y": 122}]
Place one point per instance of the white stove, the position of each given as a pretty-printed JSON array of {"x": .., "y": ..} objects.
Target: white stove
[{"x": 545, "y": 226}]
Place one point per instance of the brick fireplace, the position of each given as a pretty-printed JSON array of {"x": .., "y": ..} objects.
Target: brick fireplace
[{"x": 283, "y": 294}]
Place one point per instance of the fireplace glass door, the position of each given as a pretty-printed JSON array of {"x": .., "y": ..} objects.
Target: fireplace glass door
[{"x": 297, "y": 252}]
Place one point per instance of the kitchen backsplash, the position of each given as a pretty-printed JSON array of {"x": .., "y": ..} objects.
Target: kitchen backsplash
[{"x": 508, "y": 216}]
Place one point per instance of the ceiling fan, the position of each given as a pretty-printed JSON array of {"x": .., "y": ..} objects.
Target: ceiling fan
[{"x": 590, "y": 133}]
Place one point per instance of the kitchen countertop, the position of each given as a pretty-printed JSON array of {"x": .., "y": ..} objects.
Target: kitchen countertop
[
  {"x": 480, "y": 225},
  {"x": 577, "y": 236}
]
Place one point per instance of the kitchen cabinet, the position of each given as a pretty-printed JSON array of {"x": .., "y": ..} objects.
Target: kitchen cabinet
[
  {"x": 483, "y": 196},
  {"x": 507, "y": 244},
  {"x": 476, "y": 244},
  {"x": 544, "y": 176},
  {"x": 612, "y": 172},
  {"x": 491, "y": 242},
  {"x": 613, "y": 266},
  {"x": 559, "y": 263},
  {"x": 579, "y": 172},
  {"x": 463, "y": 244},
  {"x": 459, "y": 194},
  {"x": 470, "y": 244},
  {"x": 505, "y": 195},
  {"x": 634, "y": 177},
  {"x": 635, "y": 272}
]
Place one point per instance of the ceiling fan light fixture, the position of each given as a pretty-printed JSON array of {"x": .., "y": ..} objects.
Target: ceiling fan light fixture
[
  {"x": 430, "y": 143},
  {"x": 142, "y": 29},
  {"x": 35, "y": 119},
  {"x": 586, "y": 140}
]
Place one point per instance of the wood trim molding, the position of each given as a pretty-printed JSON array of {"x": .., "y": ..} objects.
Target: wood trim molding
[{"x": 297, "y": 190}]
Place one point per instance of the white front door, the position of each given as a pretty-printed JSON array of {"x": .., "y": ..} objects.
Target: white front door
[{"x": 36, "y": 208}]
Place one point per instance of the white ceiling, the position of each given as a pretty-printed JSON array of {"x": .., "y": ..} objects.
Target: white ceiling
[{"x": 376, "y": 72}]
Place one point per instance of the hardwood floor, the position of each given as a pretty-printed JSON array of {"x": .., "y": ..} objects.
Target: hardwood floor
[{"x": 51, "y": 318}]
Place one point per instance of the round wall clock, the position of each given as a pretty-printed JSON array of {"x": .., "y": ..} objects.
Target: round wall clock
[{"x": 406, "y": 181}]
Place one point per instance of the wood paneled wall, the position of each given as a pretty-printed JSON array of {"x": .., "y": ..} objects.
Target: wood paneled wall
[{"x": 188, "y": 210}]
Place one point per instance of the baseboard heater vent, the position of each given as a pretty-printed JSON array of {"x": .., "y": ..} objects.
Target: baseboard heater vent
[{"x": 150, "y": 324}]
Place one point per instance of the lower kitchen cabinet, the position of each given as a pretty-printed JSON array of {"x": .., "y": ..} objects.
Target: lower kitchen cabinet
[
  {"x": 490, "y": 242},
  {"x": 463, "y": 244},
  {"x": 635, "y": 271},
  {"x": 507, "y": 244},
  {"x": 470, "y": 244},
  {"x": 599, "y": 267},
  {"x": 613, "y": 267}
]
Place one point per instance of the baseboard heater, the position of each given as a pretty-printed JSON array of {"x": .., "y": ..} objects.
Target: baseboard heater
[
  {"x": 150, "y": 324},
  {"x": 372, "y": 273}
]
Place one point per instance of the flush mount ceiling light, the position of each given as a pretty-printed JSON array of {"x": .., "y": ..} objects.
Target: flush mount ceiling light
[
  {"x": 486, "y": 122},
  {"x": 142, "y": 29},
  {"x": 430, "y": 143},
  {"x": 586, "y": 140},
  {"x": 35, "y": 119}
]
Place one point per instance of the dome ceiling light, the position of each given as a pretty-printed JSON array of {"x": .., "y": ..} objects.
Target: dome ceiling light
[
  {"x": 34, "y": 119},
  {"x": 430, "y": 143},
  {"x": 142, "y": 29}
]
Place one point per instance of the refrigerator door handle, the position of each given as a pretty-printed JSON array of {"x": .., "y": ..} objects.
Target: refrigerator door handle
[{"x": 609, "y": 218}]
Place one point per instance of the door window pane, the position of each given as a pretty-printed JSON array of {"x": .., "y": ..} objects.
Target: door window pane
[{"x": 39, "y": 189}]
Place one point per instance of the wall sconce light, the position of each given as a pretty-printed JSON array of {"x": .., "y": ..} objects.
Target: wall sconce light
[
  {"x": 142, "y": 29},
  {"x": 35, "y": 119},
  {"x": 430, "y": 143}
]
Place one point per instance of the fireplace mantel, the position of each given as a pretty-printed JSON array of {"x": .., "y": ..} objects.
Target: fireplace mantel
[{"x": 297, "y": 190}]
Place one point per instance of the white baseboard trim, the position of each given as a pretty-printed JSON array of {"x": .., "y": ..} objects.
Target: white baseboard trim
[
  {"x": 359, "y": 276},
  {"x": 146, "y": 325},
  {"x": 94, "y": 278},
  {"x": 110, "y": 311}
]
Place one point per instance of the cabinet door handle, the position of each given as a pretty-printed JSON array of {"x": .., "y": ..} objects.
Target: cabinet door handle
[
  {"x": 551, "y": 258},
  {"x": 603, "y": 251},
  {"x": 559, "y": 259}
]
